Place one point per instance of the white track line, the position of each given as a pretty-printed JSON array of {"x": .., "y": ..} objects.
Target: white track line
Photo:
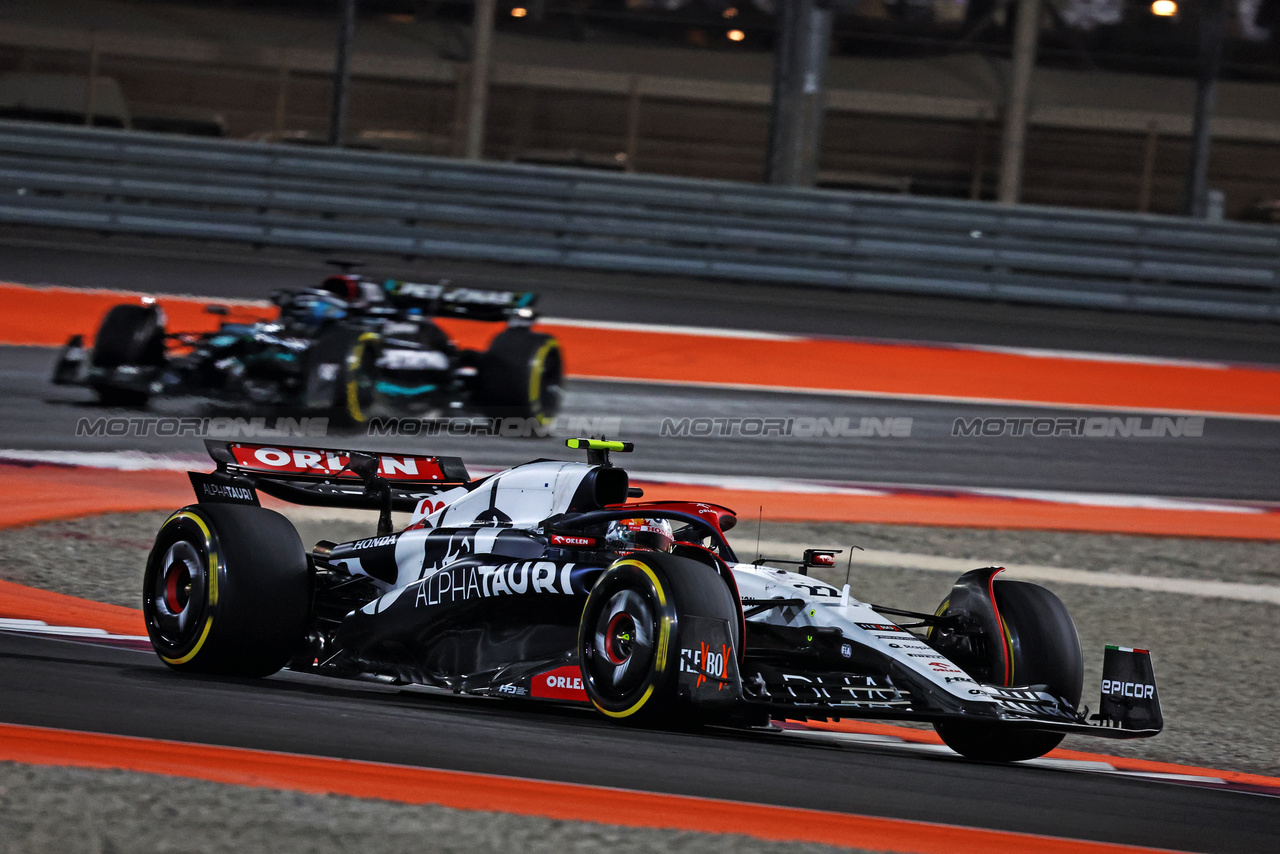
[
  {"x": 665, "y": 329},
  {"x": 1239, "y": 592},
  {"x": 39, "y": 627}
]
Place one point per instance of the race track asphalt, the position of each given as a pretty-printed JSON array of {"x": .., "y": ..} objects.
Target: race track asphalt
[{"x": 81, "y": 687}]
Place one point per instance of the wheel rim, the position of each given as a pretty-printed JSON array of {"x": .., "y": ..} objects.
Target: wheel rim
[
  {"x": 549, "y": 385},
  {"x": 623, "y": 643},
  {"x": 361, "y": 369},
  {"x": 179, "y": 588}
]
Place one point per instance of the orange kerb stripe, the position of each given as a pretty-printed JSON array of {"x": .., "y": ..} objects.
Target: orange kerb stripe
[
  {"x": 914, "y": 370},
  {"x": 469, "y": 791},
  {"x": 46, "y": 316},
  {"x": 43, "y": 493},
  {"x": 57, "y": 609}
]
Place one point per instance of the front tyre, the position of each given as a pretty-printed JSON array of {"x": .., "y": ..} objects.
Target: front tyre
[
  {"x": 1042, "y": 648},
  {"x": 131, "y": 338},
  {"x": 227, "y": 590},
  {"x": 629, "y": 634}
]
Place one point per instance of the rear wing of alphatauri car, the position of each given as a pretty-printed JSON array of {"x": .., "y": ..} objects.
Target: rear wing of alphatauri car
[
  {"x": 326, "y": 477},
  {"x": 444, "y": 300}
]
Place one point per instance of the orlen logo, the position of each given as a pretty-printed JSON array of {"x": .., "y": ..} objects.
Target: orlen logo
[
  {"x": 1137, "y": 690},
  {"x": 307, "y": 461},
  {"x": 568, "y": 540},
  {"x": 563, "y": 683}
]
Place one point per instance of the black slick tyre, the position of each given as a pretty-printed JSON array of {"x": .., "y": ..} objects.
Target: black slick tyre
[
  {"x": 227, "y": 590},
  {"x": 521, "y": 375},
  {"x": 130, "y": 336},
  {"x": 629, "y": 634},
  {"x": 1043, "y": 648}
]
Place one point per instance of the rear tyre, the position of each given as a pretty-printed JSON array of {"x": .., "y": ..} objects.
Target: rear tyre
[
  {"x": 1043, "y": 648},
  {"x": 130, "y": 336},
  {"x": 629, "y": 634},
  {"x": 521, "y": 375},
  {"x": 227, "y": 590}
]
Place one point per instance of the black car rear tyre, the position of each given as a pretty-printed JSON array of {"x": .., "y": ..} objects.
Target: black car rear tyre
[
  {"x": 226, "y": 590},
  {"x": 521, "y": 375},
  {"x": 629, "y": 634},
  {"x": 1043, "y": 648}
]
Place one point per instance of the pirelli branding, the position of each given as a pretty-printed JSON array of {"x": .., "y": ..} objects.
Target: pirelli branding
[{"x": 481, "y": 581}]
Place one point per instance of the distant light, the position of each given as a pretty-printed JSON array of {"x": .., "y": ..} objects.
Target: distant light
[
  {"x": 736, "y": 35},
  {"x": 731, "y": 12},
  {"x": 519, "y": 12},
  {"x": 1164, "y": 8}
]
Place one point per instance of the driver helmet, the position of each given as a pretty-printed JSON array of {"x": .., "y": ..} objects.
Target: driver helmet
[
  {"x": 631, "y": 534},
  {"x": 311, "y": 308}
]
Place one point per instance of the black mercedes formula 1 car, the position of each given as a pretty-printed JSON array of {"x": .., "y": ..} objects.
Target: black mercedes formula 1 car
[
  {"x": 352, "y": 347},
  {"x": 550, "y": 582}
]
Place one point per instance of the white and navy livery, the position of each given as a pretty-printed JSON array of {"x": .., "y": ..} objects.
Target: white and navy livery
[{"x": 507, "y": 586}]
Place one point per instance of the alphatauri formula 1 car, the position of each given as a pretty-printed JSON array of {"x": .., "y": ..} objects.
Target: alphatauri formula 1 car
[
  {"x": 550, "y": 582},
  {"x": 353, "y": 347}
]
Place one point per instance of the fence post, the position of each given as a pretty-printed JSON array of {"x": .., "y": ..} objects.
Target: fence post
[
  {"x": 481, "y": 56},
  {"x": 1017, "y": 105},
  {"x": 91, "y": 86}
]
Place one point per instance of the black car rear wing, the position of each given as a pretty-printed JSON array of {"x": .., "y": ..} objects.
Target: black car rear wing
[
  {"x": 444, "y": 300},
  {"x": 325, "y": 477}
]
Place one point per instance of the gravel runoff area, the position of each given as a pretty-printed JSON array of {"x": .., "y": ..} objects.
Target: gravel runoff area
[
  {"x": 1214, "y": 659},
  {"x": 76, "y": 811}
]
